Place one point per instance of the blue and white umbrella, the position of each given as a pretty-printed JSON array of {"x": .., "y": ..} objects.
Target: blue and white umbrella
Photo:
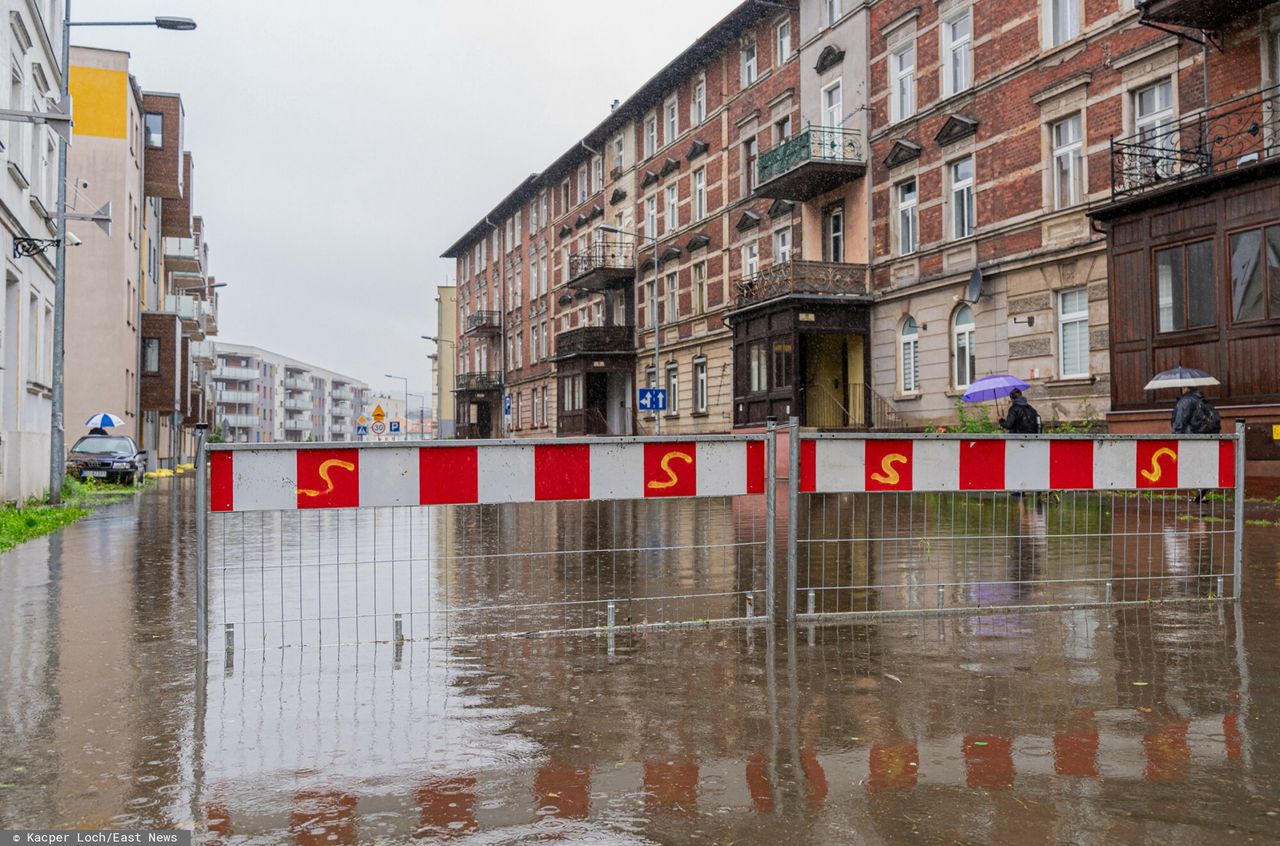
[{"x": 104, "y": 420}]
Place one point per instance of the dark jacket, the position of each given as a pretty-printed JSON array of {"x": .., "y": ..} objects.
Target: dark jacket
[
  {"x": 1022, "y": 418},
  {"x": 1183, "y": 411}
]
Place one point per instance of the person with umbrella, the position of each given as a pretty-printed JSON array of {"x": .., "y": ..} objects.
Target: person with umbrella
[
  {"x": 100, "y": 422},
  {"x": 1193, "y": 414},
  {"x": 1022, "y": 418}
]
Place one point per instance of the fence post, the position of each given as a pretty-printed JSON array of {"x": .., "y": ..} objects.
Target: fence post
[
  {"x": 1239, "y": 507},
  {"x": 793, "y": 499},
  {"x": 770, "y": 516},
  {"x": 202, "y": 541}
]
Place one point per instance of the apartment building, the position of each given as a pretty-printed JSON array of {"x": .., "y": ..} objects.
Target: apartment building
[
  {"x": 263, "y": 397},
  {"x": 28, "y": 195},
  {"x": 1192, "y": 215},
  {"x": 444, "y": 361}
]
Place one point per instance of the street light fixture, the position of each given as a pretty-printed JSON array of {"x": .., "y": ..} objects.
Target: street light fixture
[
  {"x": 657, "y": 324},
  {"x": 405, "y": 379},
  {"x": 57, "y": 429}
]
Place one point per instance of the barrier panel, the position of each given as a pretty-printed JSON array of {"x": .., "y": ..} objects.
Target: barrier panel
[
  {"x": 961, "y": 522},
  {"x": 326, "y": 543}
]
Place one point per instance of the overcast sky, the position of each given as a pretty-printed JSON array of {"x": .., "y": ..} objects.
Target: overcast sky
[{"x": 340, "y": 147}]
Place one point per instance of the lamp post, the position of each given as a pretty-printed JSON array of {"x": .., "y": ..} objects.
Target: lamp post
[
  {"x": 404, "y": 379},
  {"x": 57, "y": 429},
  {"x": 422, "y": 415},
  {"x": 438, "y": 373},
  {"x": 657, "y": 324}
]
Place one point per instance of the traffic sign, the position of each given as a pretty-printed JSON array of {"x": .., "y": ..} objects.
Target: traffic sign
[
  {"x": 361, "y": 420},
  {"x": 506, "y": 405},
  {"x": 395, "y": 427},
  {"x": 362, "y": 429},
  {"x": 378, "y": 414},
  {"x": 378, "y": 427},
  {"x": 653, "y": 399}
]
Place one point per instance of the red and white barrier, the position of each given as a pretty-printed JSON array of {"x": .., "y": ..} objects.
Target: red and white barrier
[
  {"x": 849, "y": 465},
  {"x": 353, "y": 477}
]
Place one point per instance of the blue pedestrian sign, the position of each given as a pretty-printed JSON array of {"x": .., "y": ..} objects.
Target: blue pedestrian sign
[
  {"x": 653, "y": 399},
  {"x": 395, "y": 427},
  {"x": 362, "y": 430},
  {"x": 506, "y": 405}
]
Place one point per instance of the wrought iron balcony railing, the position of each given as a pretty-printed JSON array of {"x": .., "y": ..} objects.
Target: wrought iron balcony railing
[
  {"x": 484, "y": 321},
  {"x": 596, "y": 339},
  {"x": 612, "y": 255},
  {"x": 1231, "y": 135},
  {"x": 816, "y": 143},
  {"x": 803, "y": 277},
  {"x": 488, "y": 380}
]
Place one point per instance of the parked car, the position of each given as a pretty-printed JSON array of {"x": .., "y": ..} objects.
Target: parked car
[{"x": 115, "y": 458}]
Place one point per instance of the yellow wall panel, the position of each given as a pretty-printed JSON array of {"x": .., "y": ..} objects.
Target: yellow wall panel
[{"x": 99, "y": 101}]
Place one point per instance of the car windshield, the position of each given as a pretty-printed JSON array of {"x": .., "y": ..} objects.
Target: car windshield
[{"x": 104, "y": 445}]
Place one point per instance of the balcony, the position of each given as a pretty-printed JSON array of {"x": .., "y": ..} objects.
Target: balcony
[
  {"x": 185, "y": 307},
  {"x": 342, "y": 395},
  {"x": 228, "y": 373},
  {"x": 202, "y": 351},
  {"x": 483, "y": 323},
  {"x": 608, "y": 264},
  {"x": 182, "y": 255},
  {"x": 236, "y": 397},
  {"x": 1200, "y": 14},
  {"x": 340, "y": 429},
  {"x": 489, "y": 380},
  {"x": 816, "y": 161},
  {"x": 297, "y": 424},
  {"x": 208, "y": 312},
  {"x": 342, "y": 409},
  {"x": 295, "y": 383},
  {"x": 238, "y": 421},
  {"x": 297, "y": 404},
  {"x": 811, "y": 279},
  {"x": 596, "y": 340},
  {"x": 1236, "y": 138}
]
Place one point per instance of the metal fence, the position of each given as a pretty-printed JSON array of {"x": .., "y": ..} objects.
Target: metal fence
[
  {"x": 934, "y": 523},
  {"x": 569, "y": 549}
]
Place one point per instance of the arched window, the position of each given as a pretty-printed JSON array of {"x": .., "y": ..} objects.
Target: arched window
[
  {"x": 963, "y": 346},
  {"x": 910, "y": 361}
]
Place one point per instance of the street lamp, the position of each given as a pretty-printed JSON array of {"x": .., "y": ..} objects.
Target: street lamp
[
  {"x": 657, "y": 324},
  {"x": 57, "y": 429},
  {"x": 437, "y": 374},
  {"x": 422, "y": 415},
  {"x": 405, "y": 379}
]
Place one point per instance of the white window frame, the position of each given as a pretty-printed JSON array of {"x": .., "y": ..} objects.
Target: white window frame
[
  {"x": 957, "y": 55},
  {"x": 700, "y": 193},
  {"x": 963, "y": 202},
  {"x": 833, "y": 105},
  {"x": 902, "y": 96},
  {"x": 670, "y": 120},
  {"x": 909, "y": 356},
  {"x": 671, "y": 282},
  {"x": 908, "y": 218},
  {"x": 619, "y": 151},
  {"x": 833, "y": 11},
  {"x": 700, "y": 392},
  {"x": 699, "y": 273},
  {"x": 1071, "y": 320},
  {"x": 1068, "y": 161},
  {"x": 698, "y": 108},
  {"x": 782, "y": 40},
  {"x": 782, "y": 245},
  {"x": 651, "y": 216},
  {"x": 650, "y": 136},
  {"x": 1062, "y": 21},
  {"x": 673, "y": 389},
  {"x": 966, "y": 332},
  {"x": 751, "y": 162},
  {"x": 1157, "y": 124},
  {"x": 833, "y": 241},
  {"x": 750, "y": 64},
  {"x": 597, "y": 174},
  {"x": 584, "y": 184},
  {"x": 671, "y": 210},
  {"x": 750, "y": 259}
]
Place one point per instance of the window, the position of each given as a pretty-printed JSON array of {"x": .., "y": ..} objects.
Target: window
[
  {"x": 154, "y": 129},
  {"x": 673, "y": 389},
  {"x": 533, "y": 277},
  {"x": 1153, "y": 124},
  {"x": 784, "y": 41},
  {"x": 750, "y": 156},
  {"x": 699, "y": 193},
  {"x": 671, "y": 212},
  {"x": 782, "y": 360},
  {"x": 672, "y": 125},
  {"x": 698, "y": 110},
  {"x": 832, "y": 10},
  {"x": 1067, "y": 176},
  {"x": 782, "y": 246},
  {"x": 582, "y": 182},
  {"x": 1073, "y": 332},
  {"x": 673, "y": 298},
  {"x": 519, "y": 408},
  {"x": 1255, "y": 279},
  {"x": 910, "y": 373},
  {"x": 519, "y": 233},
  {"x": 546, "y": 345},
  {"x": 619, "y": 153},
  {"x": 650, "y": 136},
  {"x": 700, "y": 385},
  {"x": 957, "y": 64},
  {"x": 651, "y": 217},
  {"x": 758, "y": 357},
  {"x": 902, "y": 68},
  {"x": 700, "y": 287},
  {"x": 965, "y": 355},
  {"x": 546, "y": 278},
  {"x": 542, "y": 203},
  {"x": 651, "y": 376},
  {"x": 150, "y": 355},
  {"x": 533, "y": 217},
  {"x": 908, "y": 221},
  {"x": 962, "y": 202},
  {"x": 750, "y": 259},
  {"x": 597, "y": 174},
  {"x": 1186, "y": 289},
  {"x": 782, "y": 130},
  {"x": 833, "y": 105},
  {"x": 1064, "y": 21},
  {"x": 749, "y": 74},
  {"x": 833, "y": 234}
]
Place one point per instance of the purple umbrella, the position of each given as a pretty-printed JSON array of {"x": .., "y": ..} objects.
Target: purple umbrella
[{"x": 993, "y": 387}]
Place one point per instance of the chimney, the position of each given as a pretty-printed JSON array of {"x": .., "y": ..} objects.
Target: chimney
[{"x": 613, "y": 107}]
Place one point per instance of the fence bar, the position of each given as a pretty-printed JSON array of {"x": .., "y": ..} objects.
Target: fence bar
[
  {"x": 202, "y": 542},
  {"x": 793, "y": 516},
  {"x": 1239, "y": 507},
  {"x": 770, "y": 517}
]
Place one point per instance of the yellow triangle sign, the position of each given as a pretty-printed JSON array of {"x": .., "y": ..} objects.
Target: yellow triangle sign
[{"x": 378, "y": 414}]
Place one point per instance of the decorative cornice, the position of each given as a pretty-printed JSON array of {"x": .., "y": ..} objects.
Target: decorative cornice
[
  {"x": 566, "y": 231},
  {"x": 830, "y": 56},
  {"x": 670, "y": 253},
  {"x": 617, "y": 196},
  {"x": 955, "y": 128},
  {"x": 649, "y": 178},
  {"x": 747, "y": 221},
  {"x": 697, "y": 242},
  {"x": 670, "y": 166},
  {"x": 902, "y": 152},
  {"x": 697, "y": 148},
  {"x": 781, "y": 207}
]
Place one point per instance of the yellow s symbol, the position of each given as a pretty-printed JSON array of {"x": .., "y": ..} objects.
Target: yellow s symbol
[
  {"x": 671, "y": 474},
  {"x": 1156, "y": 471},
  {"x": 889, "y": 474},
  {"x": 324, "y": 474}
]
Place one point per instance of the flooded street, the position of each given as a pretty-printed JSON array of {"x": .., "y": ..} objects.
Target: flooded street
[{"x": 1133, "y": 724}]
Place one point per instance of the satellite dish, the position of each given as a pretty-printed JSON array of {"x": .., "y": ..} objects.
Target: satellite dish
[{"x": 974, "y": 293}]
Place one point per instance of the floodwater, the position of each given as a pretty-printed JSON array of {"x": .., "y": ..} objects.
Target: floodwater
[{"x": 1131, "y": 724}]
